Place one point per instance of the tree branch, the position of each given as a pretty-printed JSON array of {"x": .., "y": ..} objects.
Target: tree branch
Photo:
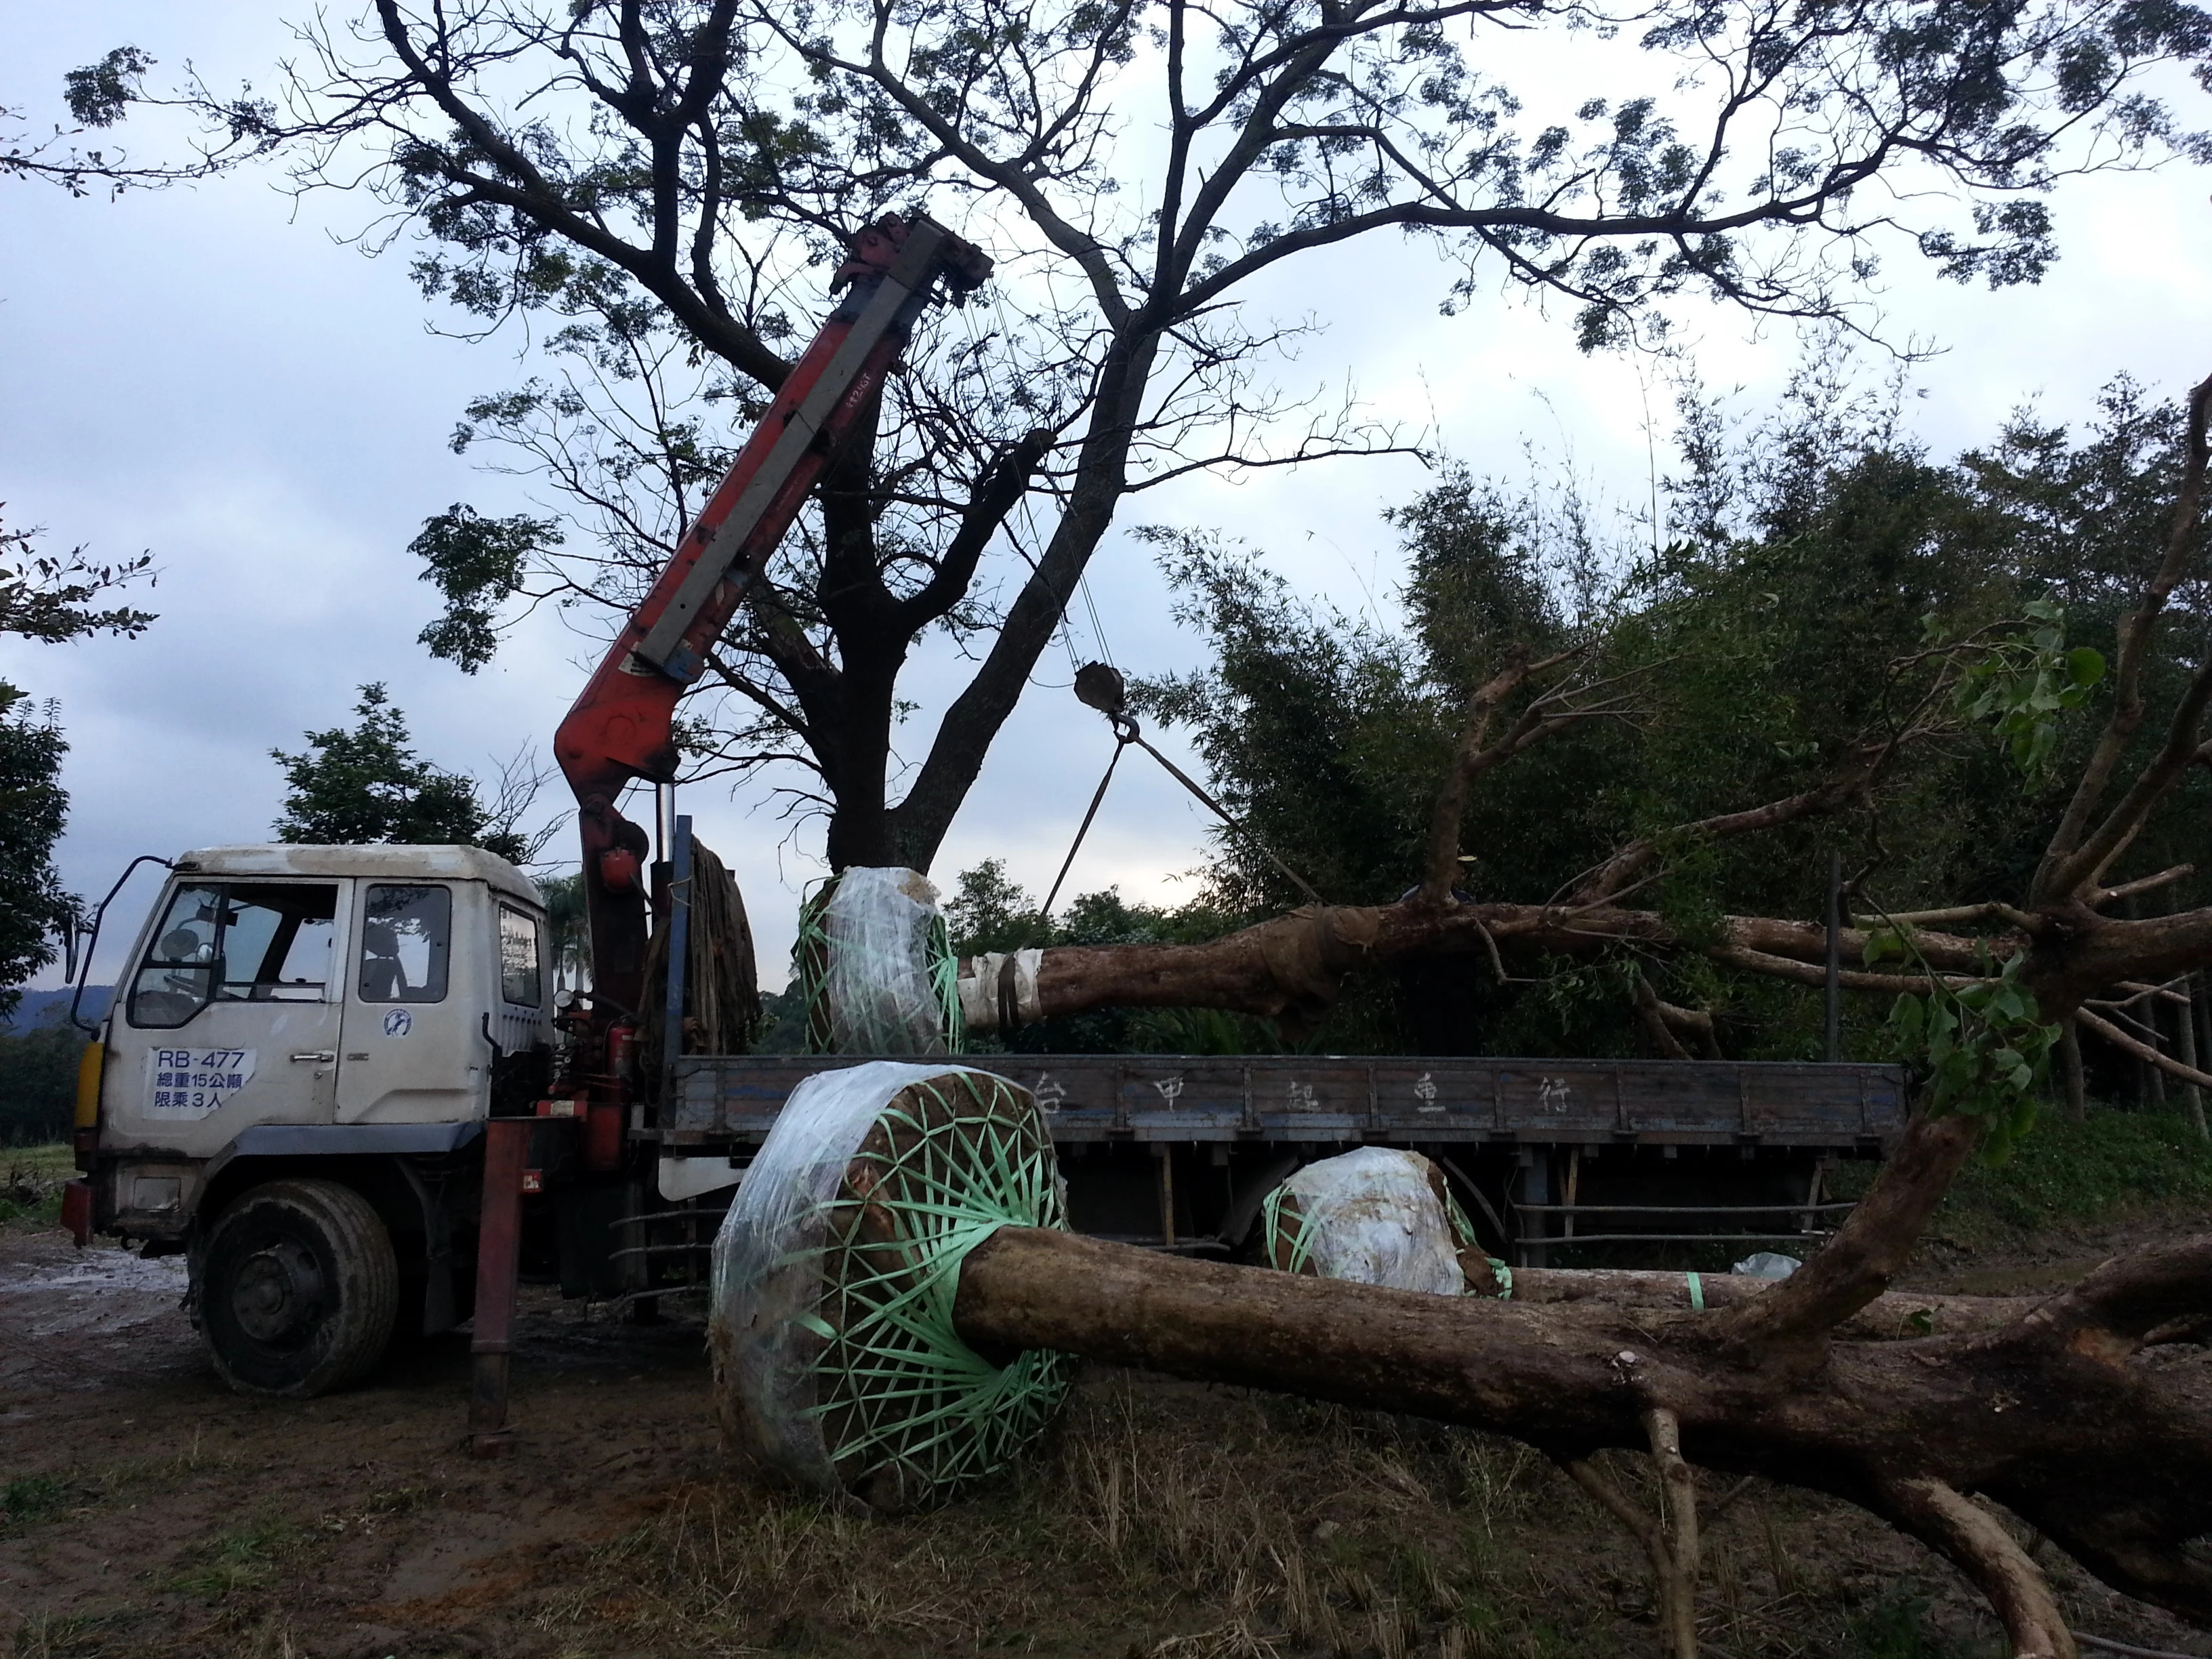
[
  {"x": 1650, "y": 1014},
  {"x": 2070, "y": 863},
  {"x": 1848, "y": 784},
  {"x": 1793, "y": 1320},
  {"x": 1977, "y": 1543},
  {"x": 536, "y": 198},
  {"x": 996, "y": 494},
  {"x": 2142, "y": 1050}
]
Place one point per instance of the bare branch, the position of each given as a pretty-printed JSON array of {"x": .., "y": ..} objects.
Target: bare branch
[
  {"x": 1847, "y": 784},
  {"x": 2144, "y": 1051},
  {"x": 2105, "y": 896},
  {"x": 1650, "y": 1014}
]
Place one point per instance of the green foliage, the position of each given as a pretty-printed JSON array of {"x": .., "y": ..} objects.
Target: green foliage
[
  {"x": 1830, "y": 591},
  {"x": 1981, "y": 1047},
  {"x": 652, "y": 233},
  {"x": 569, "y": 927},
  {"x": 33, "y": 906},
  {"x": 990, "y": 911},
  {"x": 37, "y": 1082},
  {"x": 2020, "y": 687},
  {"x": 100, "y": 93},
  {"x": 52, "y": 601},
  {"x": 478, "y": 564},
  {"x": 367, "y": 785},
  {"x": 51, "y": 598}
]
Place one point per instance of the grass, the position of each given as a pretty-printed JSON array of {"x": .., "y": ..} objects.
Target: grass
[
  {"x": 239, "y": 1560},
  {"x": 1895, "y": 1627},
  {"x": 2112, "y": 1166},
  {"x": 1175, "y": 1523},
  {"x": 29, "y": 1499},
  {"x": 2106, "y": 1167},
  {"x": 49, "y": 1636},
  {"x": 30, "y": 1192}
]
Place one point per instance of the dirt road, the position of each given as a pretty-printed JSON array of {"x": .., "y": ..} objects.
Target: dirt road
[
  {"x": 147, "y": 1511},
  {"x": 152, "y": 1508}
]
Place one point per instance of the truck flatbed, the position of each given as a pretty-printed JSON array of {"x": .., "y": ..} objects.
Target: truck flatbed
[{"x": 729, "y": 1102}]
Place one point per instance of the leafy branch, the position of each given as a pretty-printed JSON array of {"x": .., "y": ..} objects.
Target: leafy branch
[
  {"x": 1980, "y": 1047},
  {"x": 2019, "y": 687}
]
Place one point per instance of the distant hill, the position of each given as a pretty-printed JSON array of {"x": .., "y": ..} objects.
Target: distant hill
[{"x": 51, "y": 1007}]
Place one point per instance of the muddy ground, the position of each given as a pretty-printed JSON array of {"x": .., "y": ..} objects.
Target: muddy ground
[{"x": 147, "y": 1511}]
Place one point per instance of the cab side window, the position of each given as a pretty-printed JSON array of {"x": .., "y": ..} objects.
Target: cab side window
[
  {"x": 235, "y": 942},
  {"x": 406, "y": 936},
  {"x": 521, "y": 981}
]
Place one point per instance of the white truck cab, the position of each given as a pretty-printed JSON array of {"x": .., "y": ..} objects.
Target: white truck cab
[{"x": 289, "y": 1086}]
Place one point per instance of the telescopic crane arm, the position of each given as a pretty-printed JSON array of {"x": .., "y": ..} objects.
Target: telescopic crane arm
[{"x": 622, "y": 725}]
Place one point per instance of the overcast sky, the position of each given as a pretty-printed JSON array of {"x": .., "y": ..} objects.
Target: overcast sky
[{"x": 210, "y": 374}]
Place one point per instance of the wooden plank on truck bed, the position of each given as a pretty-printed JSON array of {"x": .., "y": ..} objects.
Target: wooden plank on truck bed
[{"x": 1338, "y": 1100}]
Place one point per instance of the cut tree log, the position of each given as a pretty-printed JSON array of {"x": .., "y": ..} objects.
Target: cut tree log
[
  {"x": 2047, "y": 1407},
  {"x": 2049, "y": 1414}
]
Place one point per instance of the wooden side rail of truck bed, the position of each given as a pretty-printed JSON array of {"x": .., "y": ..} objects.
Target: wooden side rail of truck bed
[{"x": 727, "y": 1102}]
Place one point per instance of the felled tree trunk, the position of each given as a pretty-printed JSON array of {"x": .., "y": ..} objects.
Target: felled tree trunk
[
  {"x": 2047, "y": 1407},
  {"x": 1290, "y": 967}
]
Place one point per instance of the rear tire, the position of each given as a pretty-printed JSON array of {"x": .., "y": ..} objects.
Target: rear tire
[{"x": 299, "y": 1289}]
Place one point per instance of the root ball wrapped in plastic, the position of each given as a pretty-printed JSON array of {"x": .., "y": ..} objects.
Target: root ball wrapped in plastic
[
  {"x": 1379, "y": 1215},
  {"x": 837, "y": 1362},
  {"x": 876, "y": 968}
]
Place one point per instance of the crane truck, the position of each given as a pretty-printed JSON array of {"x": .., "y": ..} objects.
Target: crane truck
[{"x": 337, "y": 1081}]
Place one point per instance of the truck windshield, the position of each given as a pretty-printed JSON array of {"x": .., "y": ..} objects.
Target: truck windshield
[{"x": 235, "y": 942}]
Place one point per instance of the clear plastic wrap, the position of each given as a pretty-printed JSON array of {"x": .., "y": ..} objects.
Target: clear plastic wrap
[
  {"x": 1767, "y": 1264},
  {"x": 1376, "y": 1216},
  {"x": 837, "y": 1362},
  {"x": 999, "y": 991},
  {"x": 877, "y": 971}
]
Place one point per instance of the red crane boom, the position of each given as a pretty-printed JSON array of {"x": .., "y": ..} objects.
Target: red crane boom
[{"x": 620, "y": 726}]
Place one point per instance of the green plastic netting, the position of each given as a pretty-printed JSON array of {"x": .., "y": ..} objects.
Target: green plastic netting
[
  {"x": 836, "y": 1358},
  {"x": 875, "y": 966}
]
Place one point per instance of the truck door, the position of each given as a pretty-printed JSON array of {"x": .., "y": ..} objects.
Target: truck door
[
  {"x": 231, "y": 1017},
  {"x": 414, "y": 1043}
]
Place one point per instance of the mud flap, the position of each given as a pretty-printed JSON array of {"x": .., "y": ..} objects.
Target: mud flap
[{"x": 76, "y": 1211}]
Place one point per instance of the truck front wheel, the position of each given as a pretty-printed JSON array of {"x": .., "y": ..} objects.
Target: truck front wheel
[{"x": 299, "y": 1289}]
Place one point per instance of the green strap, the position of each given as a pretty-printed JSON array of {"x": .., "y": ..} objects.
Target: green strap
[
  {"x": 1505, "y": 1277},
  {"x": 1697, "y": 1291}
]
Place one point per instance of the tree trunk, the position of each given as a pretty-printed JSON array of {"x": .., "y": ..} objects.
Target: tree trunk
[
  {"x": 2204, "y": 1023},
  {"x": 920, "y": 821},
  {"x": 1292, "y": 967},
  {"x": 2048, "y": 1413},
  {"x": 2192, "y": 1096},
  {"x": 2069, "y": 1055}
]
